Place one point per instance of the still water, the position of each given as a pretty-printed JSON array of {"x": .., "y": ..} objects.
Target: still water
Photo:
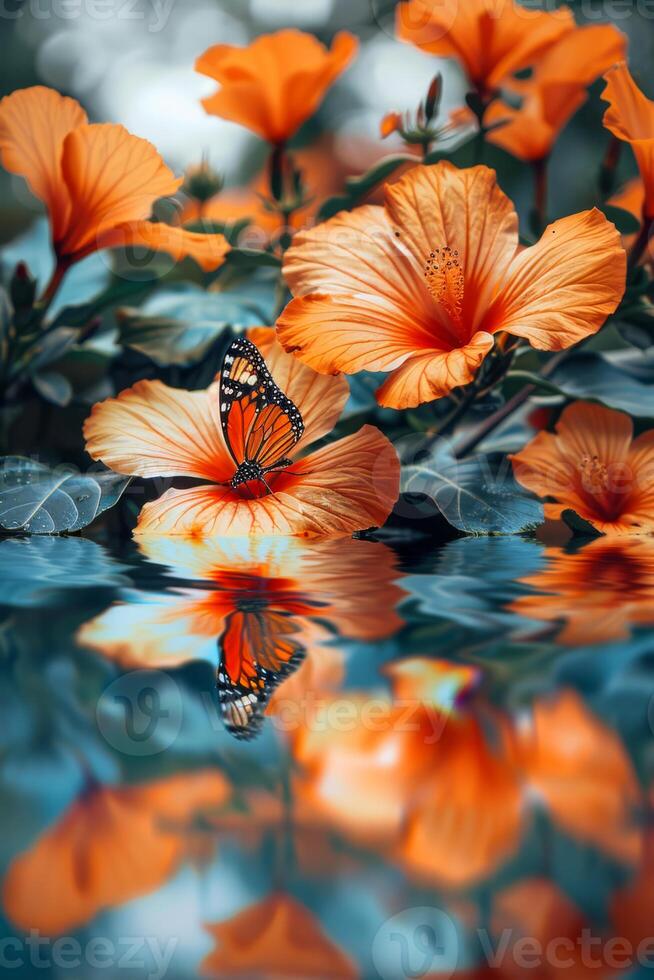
[{"x": 440, "y": 763}]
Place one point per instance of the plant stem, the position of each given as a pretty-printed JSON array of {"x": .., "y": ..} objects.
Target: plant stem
[
  {"x": 640, "y": 244},
  {"x": 540, "y": 194},
  {"x": 609, "y": 167},
  {"x": 508, "y": 408},
  {"x": 51, "y": 289}
]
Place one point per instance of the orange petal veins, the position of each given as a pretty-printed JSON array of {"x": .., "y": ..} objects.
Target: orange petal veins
[
  {"x": 347, "y": 486},
  {"x": 208, "y": 250},
  {"x": 433, "y": 375},
  {"x": 492, "y": 38},
  {"x": 465, "y": 209},
  {"x": 33, "y": 125},
  {"x": 112, "y": 177},
  {"x": 277, "y": 82},
  {"x": 350, "y": 334},
  {"x": 563, "y": 288},
  {"x": 277, "y": 937},
  {"x": 319, "y": 398},
  {"x": 153, "y": 430},
  {"x": 355, "y": 252},
  {"x": 630, "y": 117}
]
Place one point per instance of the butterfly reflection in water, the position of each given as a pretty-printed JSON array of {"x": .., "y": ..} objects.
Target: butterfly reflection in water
[{"x": 257, "y": 649}]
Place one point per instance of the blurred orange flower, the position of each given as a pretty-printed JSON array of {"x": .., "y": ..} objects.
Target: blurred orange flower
[
  {"x": 153, "y": 430},
  {"x": 594, "y": 466},
  {"x": 622, "y": 594},
  {"x": 276, "y": 937},
  {"x": 492, "y": 39},
  {"x": 112, "y": 845},
  {"x": 419, "y": 287},
  {"x": 447, "y": 792},
  {"x": 277, "y": 82},
  {"x": 98, "y": 182},
  {"x": 555, "y": 91},
  {"x": 630, "y": 117}
]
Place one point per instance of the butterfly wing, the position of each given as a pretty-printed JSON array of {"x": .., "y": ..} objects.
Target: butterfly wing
[
  {"x": 257, "y": 652},
  {"x": 260, "y": 424}
]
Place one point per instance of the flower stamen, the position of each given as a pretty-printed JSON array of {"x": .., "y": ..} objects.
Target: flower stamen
[{"x": 445, "y": 280}]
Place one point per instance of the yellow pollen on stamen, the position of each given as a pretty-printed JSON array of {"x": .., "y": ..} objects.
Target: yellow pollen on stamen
[
  {"x": 444, "y": 279},
  {"x": 594, "y": 474}
]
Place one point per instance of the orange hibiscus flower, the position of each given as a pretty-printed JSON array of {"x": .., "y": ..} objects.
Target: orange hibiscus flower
[
  {"x": 277, "y": 82},
  {"x": 419, "y": 287},
  {"x": 112, "y": 845},
  {"x": 98, "y": 182},
  {"x": 447, "y": 793},
  {"x": 492, "y": 39},
  {"x": 153, "y": 430},
  {"x": 592, "y": 465},
  {"x": 276, "y": 937},
  {"x": 630, "y": 117},
  {"x": 622, "y": 593},
  {"x": 556, "y": 90}
]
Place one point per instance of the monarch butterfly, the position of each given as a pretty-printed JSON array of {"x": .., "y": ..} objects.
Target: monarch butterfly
[
  {"x": 259, "y": 422},
  {"x": 257, "y": 651}
]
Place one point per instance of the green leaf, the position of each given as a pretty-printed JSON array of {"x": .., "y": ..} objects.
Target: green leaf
[
  {"x": 177, "y": 326},
  {"x": 579, "y": 525},
  {"x": 357, "y": 187},
  {"x": 40, "y": 500},
  {"x": 53, "y": 387},
  {"x": 623, "y": 220},
  {"x": 543, "y": 384},
  {"x": 474, "y": 494},
  {"x": 251, "y": 258},
  {"x": 615, "y": 383}
]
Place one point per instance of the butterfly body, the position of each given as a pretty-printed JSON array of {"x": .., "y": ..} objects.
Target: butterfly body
[
  {"x": 250, "y": 471},
  {"x": 260, "y": 423}
]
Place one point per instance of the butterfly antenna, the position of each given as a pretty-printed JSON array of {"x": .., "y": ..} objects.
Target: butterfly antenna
[{"x": 268, "y": 487}]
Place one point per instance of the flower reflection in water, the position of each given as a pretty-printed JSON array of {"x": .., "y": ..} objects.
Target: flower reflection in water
[
  {"x": 111, "y": 845},
  {"x": 269, "y": 605},
  {"x": 451, "y": 794},
  {"x": 597, "y": 593}
]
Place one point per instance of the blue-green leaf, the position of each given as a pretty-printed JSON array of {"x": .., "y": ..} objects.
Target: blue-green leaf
[
  {"x": 39, "y": 500},
  {"x": 474, "y": 494}
]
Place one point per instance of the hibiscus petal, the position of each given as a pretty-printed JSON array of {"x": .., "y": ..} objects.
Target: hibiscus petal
[
  {"x": 493, "y": 40},
  {"x": 350, "y": 333},
  {"x": 463, "y": 209},
  {"x": 209, "y": 251},
  {"x": 345, "y": 487},
  {"x": 112, "y": 177},
  {"x": 563, "y": 288},
  {"x": 320, "y": 398},
  {"x": 355, "y": 253},
  {"x": 630, "y": 117},
  {"x": 153, "y": 430},
  {"x": 33, "y": 125},
  {"x": 277, "y": 82},
  {"x": 434, "y": 374}
]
